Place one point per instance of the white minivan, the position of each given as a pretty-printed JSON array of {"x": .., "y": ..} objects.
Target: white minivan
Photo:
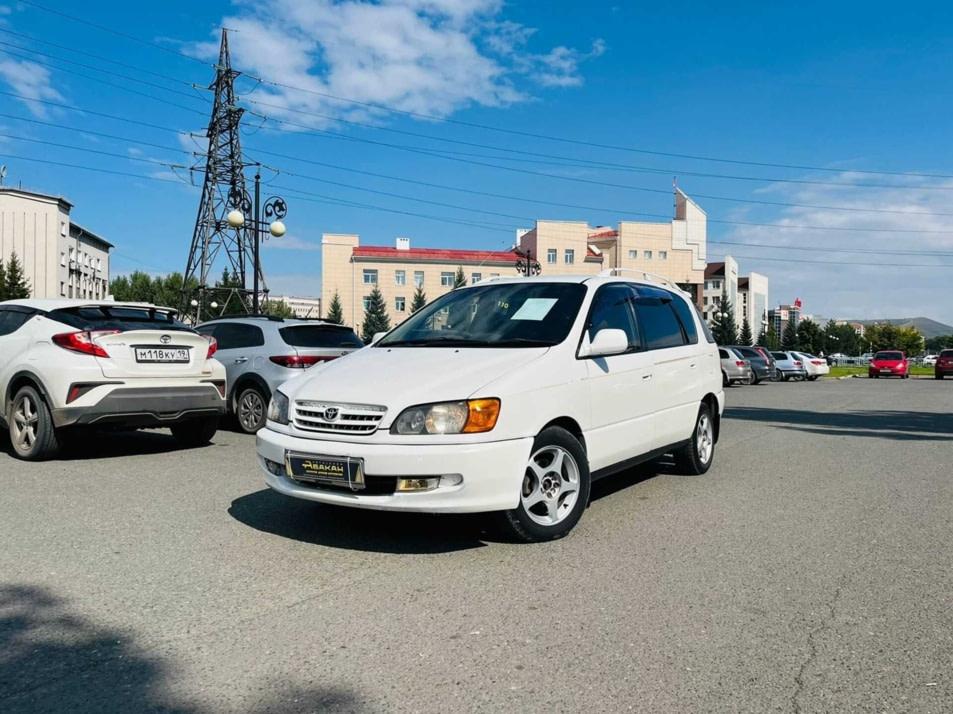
[{"x": 511, "y": 396}]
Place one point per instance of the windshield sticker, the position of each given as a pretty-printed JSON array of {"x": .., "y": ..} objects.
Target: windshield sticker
[{"x": 534, "y": 309}]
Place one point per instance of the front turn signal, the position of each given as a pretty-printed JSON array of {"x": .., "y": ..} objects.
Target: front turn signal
[{"x": 483, "y": 415}]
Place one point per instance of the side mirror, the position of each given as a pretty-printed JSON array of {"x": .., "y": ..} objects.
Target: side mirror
[
  {"x": 606, "y": 343},
  {"x": 377, "y": 337}
]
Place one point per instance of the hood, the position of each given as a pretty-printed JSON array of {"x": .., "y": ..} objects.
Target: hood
[
  {"x": 887, "y": 362},
  {"x": 399, "y": 377}
]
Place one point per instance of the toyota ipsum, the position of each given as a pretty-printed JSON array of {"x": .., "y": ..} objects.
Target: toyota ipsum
[{"x": 510, "y": 396}]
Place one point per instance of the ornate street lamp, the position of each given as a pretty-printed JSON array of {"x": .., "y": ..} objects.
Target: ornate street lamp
[{"x": 526, "y": 265}]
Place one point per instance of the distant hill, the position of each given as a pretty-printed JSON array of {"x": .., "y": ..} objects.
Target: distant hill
[{"x": 927, "y": 327}]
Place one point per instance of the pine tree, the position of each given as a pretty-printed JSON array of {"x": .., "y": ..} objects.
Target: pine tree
[
  {"x": 460, "y": 279},
  {"x": 335, "y": 311},
  {"x": 746, "y": 338},
  {"x": 723, "y": 327},
  {"x": 17, "y": 286},
  {"x": 376, "y": 318},
  {"x": 789, "y": 339},
  {"x": 3, "y": 282},
  {"x": 420, "y": 299},
  {"x": 771, "y": 339}
]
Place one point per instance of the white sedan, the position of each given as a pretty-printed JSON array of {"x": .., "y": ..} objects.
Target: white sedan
[{"x": 815, "y": 366}]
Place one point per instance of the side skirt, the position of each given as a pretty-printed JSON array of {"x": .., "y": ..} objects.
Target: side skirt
[{"x": 636, "y": 460}]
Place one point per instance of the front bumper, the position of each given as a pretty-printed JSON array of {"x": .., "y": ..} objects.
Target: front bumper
[
  {"x": 492, "y": 472},
  {"x": 145, "y": 406},
  {"x": 885, "y": 372}
]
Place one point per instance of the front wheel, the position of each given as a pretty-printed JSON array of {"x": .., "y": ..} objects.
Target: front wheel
[
  {"x": 195, "y": 432},
  {"x": 694, "y": 458},
  {"x": 32, "y": 433},
  {"x": 554, "y": 491}
]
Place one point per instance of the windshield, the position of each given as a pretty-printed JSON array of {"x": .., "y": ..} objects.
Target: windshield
[
  {"x": 504, "y": 314},
  {"x": 888, "y": 356}
]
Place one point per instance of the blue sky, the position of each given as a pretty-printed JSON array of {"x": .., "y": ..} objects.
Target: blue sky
[{"x": 847, "y": 87}]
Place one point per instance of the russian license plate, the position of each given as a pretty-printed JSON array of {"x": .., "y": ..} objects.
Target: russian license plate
[
  {"x": 162, "y": 354},
  {"x": 886, "y": 371},
  {"x": 326, "y": 469}
]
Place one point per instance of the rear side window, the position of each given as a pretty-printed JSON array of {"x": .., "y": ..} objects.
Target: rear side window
[
  {"x": 235, "y": 335},
  {"x": 658, "y": 323},
  {"x": 123, "y": 319},
  {"x": 779, "y": 355},
  {"x": 687, "y": 318},
  {"x": 319, "y": 336},
  {"x": 13, "y": 320},
  {"x": 723, "y": 354}
]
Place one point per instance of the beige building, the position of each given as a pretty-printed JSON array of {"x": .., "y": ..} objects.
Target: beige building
[
  {"x": 60, "y": 258},
  {"x": 675, "y": 250}
]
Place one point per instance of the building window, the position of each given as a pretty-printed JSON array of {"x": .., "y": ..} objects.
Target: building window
[
  {"x": 370, "y": 277},
  {"x": 647, "y": 255},
  {"x": 475, "y": 278},
  {"x": 705, "y": 300},
  {"x": 400, "y": 305},
  {"x": 400, "y": 277},
  {"x": 367, "y": 302},
  {"x": 72, "y": 254},
  {"x": 446, "y": 280},
  {"x": 494, "y": 275},
  {"x": 62, "y": 289},
  {"x": 570, "y": 256},
  {"x": 715, "y": 284},
  {"x": 99, "y": 263},
  {"x": 63, "y": 259},
  {"x": 633, "y": 254},
  {"x": 551, "y": 256},
  {"x": 663, "y": 255},
  {"x": 419, "y": 278}
]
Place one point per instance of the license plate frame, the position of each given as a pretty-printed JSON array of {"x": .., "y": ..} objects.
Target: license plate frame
[
  {"x": 333, "y": 470},
  {"x": 149, "y": 354}
]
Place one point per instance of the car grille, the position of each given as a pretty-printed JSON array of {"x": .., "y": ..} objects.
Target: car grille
[
  {"x": 373, "y": 486},
  {"x": 336, "y": 418}
]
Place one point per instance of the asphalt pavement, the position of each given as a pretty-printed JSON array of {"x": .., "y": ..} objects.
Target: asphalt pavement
[{"x": 811, "y": 570}]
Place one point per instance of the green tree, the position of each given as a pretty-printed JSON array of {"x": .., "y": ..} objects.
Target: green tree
[
  {"x": 278, "y": 308},
  {"x": 229, "y": 293},
  {"x": 810, "y": 337},
  {"x": 17, "y": 286},
  {"x": 723, "y": 326},
  {"x": 3, "y": 282},
  {"x": 941, "y": 342},
  {"x": 335, "y": 311},
  {"x": 789, "y": 336},
  {"x": 376, "y": 318},
  {"x": 745, "y": 338},
  {"x": 460, "y": 279},
  {"x": 420, "y": 299}
]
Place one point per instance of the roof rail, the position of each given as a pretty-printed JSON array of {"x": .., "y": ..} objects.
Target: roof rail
[
  {"x": 495, "y": 277},
  {"x": 648, "y": 277}
]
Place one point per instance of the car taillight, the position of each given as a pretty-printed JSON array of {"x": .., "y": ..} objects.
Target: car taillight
[
  {"x": 740, "y": 363},
  {"x": 798, "y": 363},
  {"x": 298, "y": 361},
  {"x": 212, "y": 346},
  {"x": 816, "y": 361},
  {"x": 82, "y": 342}
]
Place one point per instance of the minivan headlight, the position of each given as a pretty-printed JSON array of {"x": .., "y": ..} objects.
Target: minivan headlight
[
  {"x": 278, "y": 408},
  {"x": 474, "y": 416}
]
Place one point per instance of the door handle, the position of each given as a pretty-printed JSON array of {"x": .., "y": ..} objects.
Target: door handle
[
  {"x": 241, "y": 360},
  {"x": 646, "y": 376},
  {"x": 693, "y": 365}
]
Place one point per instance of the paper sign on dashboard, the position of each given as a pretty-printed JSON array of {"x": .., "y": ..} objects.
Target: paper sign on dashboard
[{"x": 534, "y": 309}]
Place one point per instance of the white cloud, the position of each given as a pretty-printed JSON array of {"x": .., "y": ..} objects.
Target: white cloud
[
  {"x": 31, "y": 81},
  {"x": 425, "y": 56},
  {"x": 133, "y": 151},
  {"x": 290, "y": 243},
  {"x": 294, "y": 284},
  {"x": 852, "y": 290}
]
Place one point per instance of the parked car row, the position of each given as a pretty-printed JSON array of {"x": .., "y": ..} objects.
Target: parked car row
[{"x": 742, "y": 364}]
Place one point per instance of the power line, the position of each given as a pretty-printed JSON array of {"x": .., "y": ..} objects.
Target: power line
[
  {"x": 113, "y": 32},
  {"x": 893, "y": 266},
  {"x": 94, "y": 168},
  {"x": 96, "y": 133},
  {"x": 99, "y": 152},
  {"x": 829, "y": 249}
]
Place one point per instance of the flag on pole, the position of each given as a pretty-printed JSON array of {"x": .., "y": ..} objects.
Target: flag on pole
[{"x": 797, "y": 302}]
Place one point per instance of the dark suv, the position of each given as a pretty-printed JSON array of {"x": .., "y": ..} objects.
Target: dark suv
[
  {"x": 262, "y": 353},
  {"x": 944, "y": 364},
  {"x": 763, "y": 364}
]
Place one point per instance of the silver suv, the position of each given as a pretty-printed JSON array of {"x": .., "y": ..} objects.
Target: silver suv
[{"x": 262, "y": 353}]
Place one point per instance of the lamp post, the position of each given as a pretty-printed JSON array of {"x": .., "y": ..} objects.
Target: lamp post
[
  {"x": 526, "y": 265},
  {"x": 275, "y": 209}
]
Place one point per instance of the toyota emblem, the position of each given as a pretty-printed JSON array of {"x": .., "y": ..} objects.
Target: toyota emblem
[
  {"x": 331, "y": 413},
  {"x": 165, "y": 339}
]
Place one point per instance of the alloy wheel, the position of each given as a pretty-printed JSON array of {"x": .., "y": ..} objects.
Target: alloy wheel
[
  {"x": 705, "y": 438},
  {"x": 25, "y": 420},
  {"x": 251, "y": 408},
  {"x": 550, "y": 486}
]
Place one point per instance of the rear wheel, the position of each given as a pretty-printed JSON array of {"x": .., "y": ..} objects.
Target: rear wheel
[
  {"x": 725, "y": 382},
  {"x": 812, "y": 378},
  {"x": 695, "y": 457},
  {"x": 195, "y": 432},
  {"x": 32, "y": 432},
  {"x": 251, "y": 408},
  {"x": 554, "y": 492},
  {"x": 938, "y": 376}
]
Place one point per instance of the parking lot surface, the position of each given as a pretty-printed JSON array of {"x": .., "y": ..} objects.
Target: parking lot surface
[{"x": 809, "y": 571}]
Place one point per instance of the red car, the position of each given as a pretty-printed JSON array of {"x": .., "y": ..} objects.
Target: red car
[
  {"x": 889, "y": 363},
  {"x": 944, "y": 364}
]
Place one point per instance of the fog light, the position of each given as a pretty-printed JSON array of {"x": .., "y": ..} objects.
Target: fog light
[
  {"x": 451, "y": 480},
  {"x": 274, "y": 467},
  {"x": 417, "y": 484}
]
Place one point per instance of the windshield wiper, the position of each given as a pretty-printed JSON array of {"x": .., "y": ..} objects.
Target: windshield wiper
[
  {"x": 520, "y": 342},
  {"x": 445, "y": 341}
]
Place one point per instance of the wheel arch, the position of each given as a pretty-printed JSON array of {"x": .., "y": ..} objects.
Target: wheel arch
[
  {"x": 249, "y": 379},
  {"x": 570, "y": 425},
  {"x": 712, "y": 401},
  {"x": 20, "y": 379}
]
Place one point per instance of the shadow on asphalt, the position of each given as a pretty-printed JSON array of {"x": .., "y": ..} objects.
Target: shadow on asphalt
[
  {"x": 898, "y": 425},
  {"x": 55, "y": 661},
  {"x": 85, "y": 445},
  {"x": 359, "y": 529}
]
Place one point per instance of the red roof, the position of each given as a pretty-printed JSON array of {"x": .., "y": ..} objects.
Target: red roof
[
  {"x": 434, "y": 254},
  {"x": 605, "y": 234},
  {"x": 715, "y": 270}
]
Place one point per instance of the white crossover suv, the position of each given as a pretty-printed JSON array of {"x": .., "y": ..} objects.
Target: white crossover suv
[
  {"x": 511, "y": 395},
  {"x": 73, "y": 363}
]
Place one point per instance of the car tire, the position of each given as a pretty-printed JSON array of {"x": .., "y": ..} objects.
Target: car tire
[
  {"x": 937, "y": 376},
  {"x": 694, "y": 458},
  {"x": 251, "y": 410},
  {"x": 725, "y": 382},
  {"x": 195, "y": 432},
  {"x": 548, "y": 510},
  {"x": 30, "y": 423},
  {"x": 812, "y": 378}
]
